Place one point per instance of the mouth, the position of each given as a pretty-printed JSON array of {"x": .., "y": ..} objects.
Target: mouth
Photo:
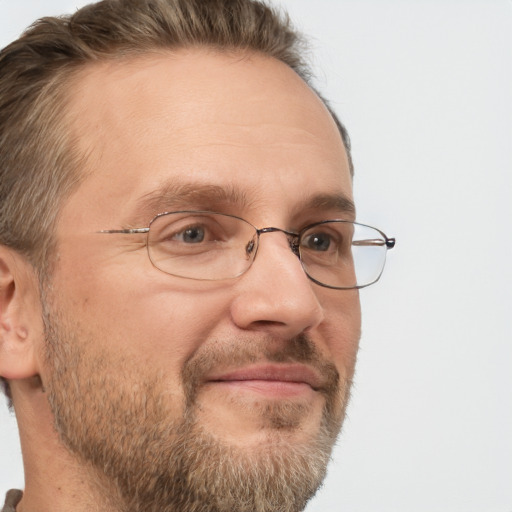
[{"x": 271, "y": 380}]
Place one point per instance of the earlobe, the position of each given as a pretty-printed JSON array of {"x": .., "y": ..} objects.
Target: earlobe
[{"x": 20, "y": 316}]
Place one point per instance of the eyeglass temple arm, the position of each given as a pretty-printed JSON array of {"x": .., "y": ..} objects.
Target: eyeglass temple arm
[
  {"x": 124, "y": 231},
  {"x": 389, "y": 242}
]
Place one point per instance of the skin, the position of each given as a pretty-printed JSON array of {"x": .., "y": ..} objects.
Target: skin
[{"x": 243, "y": 122}]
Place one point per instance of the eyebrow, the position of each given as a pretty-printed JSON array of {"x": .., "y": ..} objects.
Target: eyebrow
[
  {"x": 338, "y": 202},
  {"x": 173, "y": 196},
  {"x": 188, "y": 196}
]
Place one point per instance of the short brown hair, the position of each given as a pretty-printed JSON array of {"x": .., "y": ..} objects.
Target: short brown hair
[{"x": 38, "y": 163}]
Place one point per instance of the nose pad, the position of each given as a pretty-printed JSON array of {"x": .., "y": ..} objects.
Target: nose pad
[
  {"x": 250, "y": 247},
  {"x": 294, "y": 246}
]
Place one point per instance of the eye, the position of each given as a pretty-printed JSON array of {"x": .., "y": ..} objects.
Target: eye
[
  {"x": 319, "y": 242},
  {"x": 186, "y": 232},
  {"x": 191, "y": 235}
]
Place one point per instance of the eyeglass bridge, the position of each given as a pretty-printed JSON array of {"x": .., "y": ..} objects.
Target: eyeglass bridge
[{"x": 293, "y": 238}]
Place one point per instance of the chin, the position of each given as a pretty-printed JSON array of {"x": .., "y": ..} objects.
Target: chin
[{"x": 263, "y": 423}]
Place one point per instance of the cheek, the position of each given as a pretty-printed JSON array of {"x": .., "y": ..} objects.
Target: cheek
[
  {"x": 342, "y": 330},
  {"x": 173, "y": 323},
  {"x": 149, "y": 316}
]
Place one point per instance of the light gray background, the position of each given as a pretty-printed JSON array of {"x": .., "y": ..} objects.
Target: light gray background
[{"x": 425, "y": 88}]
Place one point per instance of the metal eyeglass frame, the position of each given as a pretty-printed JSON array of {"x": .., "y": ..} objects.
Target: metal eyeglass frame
[{"x": 293, "y": 240}]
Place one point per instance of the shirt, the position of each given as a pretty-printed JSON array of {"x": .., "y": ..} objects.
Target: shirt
[{"x": 12, "y": 498}]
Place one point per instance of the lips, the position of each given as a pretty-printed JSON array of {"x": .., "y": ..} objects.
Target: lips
[{"x": 272, "y": 374}]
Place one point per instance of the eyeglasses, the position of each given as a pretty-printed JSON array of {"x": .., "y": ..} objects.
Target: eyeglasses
[{"x": 210, "y": 246}]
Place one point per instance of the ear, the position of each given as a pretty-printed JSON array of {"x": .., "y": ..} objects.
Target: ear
[{"x": 21, "y": 325}]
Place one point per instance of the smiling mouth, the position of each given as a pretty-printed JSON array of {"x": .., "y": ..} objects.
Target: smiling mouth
[{"x": 271, "y": 380}]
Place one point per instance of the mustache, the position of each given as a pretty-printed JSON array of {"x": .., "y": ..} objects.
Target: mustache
[{"x": 245, "y": 351}]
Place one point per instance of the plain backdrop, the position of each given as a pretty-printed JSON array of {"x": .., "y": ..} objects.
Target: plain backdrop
[{"x": 425, "y": 89}]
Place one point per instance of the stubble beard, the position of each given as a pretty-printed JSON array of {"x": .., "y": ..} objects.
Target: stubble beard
[{"x": 143, "y": 457}]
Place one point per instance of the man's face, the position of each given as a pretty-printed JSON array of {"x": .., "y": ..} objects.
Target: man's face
[{"x": 189, "y": 392}]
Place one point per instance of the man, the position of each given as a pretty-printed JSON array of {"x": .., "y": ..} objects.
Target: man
[{"x": 179, "y": 267}]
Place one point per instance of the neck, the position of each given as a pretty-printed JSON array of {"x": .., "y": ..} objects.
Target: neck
[{"x": 55, "y": 481}]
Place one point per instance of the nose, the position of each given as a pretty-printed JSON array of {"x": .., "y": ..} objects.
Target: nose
[{"x": 275, "y": 295}]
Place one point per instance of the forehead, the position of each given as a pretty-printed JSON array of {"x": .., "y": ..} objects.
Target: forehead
[{"x": 241, "y": 121}]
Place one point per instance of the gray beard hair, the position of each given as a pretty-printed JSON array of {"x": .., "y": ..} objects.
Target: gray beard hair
[{"x": 143, "y": 460}]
